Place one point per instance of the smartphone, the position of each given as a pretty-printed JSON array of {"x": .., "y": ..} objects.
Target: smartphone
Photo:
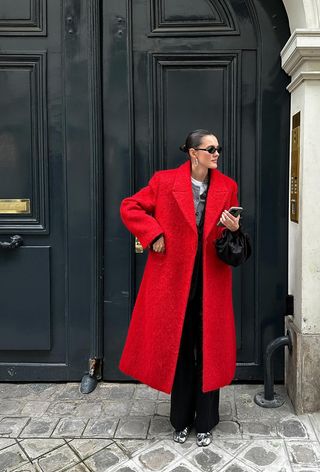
[{"x": 235, "y": 211}]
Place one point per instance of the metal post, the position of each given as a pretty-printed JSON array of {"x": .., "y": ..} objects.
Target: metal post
[{"x": 268, "y": 398}]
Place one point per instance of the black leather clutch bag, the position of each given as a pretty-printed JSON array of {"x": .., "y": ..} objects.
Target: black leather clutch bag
[{"x": 234, "y": 247}]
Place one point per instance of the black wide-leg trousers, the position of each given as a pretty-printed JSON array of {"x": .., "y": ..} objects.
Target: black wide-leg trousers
[{"x": 189, "y": 405}]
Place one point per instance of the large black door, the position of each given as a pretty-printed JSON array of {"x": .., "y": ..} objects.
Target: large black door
[
  {"x": 170, "y": 67},
  {"x": 46, "y": 140}
]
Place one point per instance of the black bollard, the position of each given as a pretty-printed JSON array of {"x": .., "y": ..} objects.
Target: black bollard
[{"x": 268, "y": 398}]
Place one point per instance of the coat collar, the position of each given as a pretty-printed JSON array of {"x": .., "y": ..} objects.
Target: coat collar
[{"x": 182, "y": 191}]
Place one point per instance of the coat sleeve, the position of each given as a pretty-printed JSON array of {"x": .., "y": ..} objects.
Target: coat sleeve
[{"x": 137, "y": 213}]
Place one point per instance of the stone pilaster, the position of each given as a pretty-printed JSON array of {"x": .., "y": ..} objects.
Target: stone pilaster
[{"x": 301, "y": 60}]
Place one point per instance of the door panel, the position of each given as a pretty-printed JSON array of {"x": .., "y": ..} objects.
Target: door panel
[
  {"x": 24, "y": 137},
  {"x": 177, "y": 68},
  {"x": 45, "y": 140},
  {"x": 27, "y": 275}
]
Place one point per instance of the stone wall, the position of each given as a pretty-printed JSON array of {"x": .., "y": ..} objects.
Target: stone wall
[{"x": 301, "y": 60}]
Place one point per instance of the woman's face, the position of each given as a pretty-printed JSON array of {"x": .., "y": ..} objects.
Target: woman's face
[{"x": 210, "y": 161}]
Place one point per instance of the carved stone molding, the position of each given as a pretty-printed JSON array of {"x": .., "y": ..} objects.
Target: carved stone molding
[{"x": 301, "y": 57}]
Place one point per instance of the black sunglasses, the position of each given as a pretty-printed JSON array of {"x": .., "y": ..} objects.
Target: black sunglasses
[{"x": 210, "y": 149}]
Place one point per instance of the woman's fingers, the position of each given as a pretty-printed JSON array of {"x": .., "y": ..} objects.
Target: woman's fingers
[
  {"x": 231, "y": 222},
  {"x": 159, "y": 245},
  {"x": 159, "y": 248}
]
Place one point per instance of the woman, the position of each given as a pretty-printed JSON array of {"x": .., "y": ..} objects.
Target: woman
[{"x": 181, "y": 338}]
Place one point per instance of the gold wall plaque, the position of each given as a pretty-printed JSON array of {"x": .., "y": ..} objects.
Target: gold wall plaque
[
  {"x": 295, "y": 164},
  {"x": 14, "y": 205}
]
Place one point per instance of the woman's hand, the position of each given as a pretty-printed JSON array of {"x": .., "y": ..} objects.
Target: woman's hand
[
  {"x": 159, "y": 245},
  {"x": 231, "y": 222}
]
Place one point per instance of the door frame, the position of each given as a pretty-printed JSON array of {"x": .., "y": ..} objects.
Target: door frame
[{"x": 82, "y": 27}]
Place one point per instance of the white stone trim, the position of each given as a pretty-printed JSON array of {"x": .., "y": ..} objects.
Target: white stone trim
[
  {"x": 301, "y": 57},
  {"x": 312, "y": 12},
  {"x": 303, "y": 13},
  {"x": 302, "y": 46},
  {"x": 301, "y": 78}
]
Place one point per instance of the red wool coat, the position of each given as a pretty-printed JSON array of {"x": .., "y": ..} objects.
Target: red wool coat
[{"x": 151, "y": 349}]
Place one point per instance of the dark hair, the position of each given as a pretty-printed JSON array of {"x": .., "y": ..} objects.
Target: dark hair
[{"x": 194, "y": 139}]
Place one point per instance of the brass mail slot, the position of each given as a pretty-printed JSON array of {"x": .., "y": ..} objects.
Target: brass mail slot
[{"x": 14, "y": 205}]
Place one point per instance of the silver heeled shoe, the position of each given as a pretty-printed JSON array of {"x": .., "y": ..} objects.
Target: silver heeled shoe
[
  {"x": 204, "y": 439},
  {"x": 181, "y": 436}
]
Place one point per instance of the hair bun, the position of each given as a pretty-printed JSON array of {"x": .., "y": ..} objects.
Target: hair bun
[{"x": 183, "y": 148}]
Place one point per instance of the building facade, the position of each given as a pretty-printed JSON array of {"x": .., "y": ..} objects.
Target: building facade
[
  {"x": 97, "y": 95},
  {"x": 301, "y": 61}
]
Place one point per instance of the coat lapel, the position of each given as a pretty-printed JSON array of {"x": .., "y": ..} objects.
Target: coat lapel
[
  {"x": 216, "y": 197},
  {"x": 182, "y": 192}
]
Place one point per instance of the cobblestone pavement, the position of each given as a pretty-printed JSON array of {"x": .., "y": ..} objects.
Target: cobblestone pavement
[{"x": 126, "y": 427}]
